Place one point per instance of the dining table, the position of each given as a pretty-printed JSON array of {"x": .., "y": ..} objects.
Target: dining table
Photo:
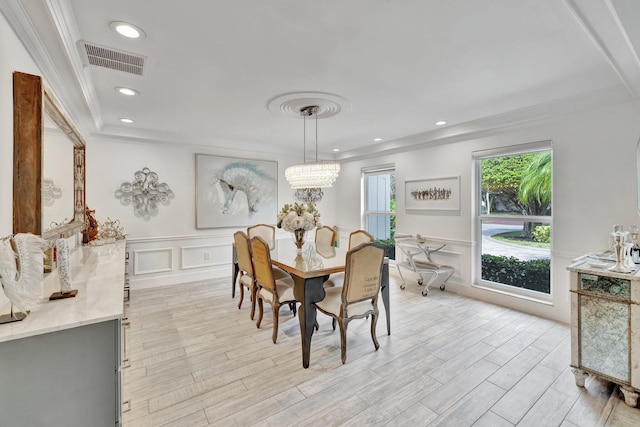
[{"x": 309, "y": 268}]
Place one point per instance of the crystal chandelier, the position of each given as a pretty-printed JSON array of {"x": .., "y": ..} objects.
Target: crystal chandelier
[{"x": 308, "y": 178}]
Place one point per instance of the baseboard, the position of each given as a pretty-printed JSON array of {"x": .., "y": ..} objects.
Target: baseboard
[{"x": 182, "y": 277}]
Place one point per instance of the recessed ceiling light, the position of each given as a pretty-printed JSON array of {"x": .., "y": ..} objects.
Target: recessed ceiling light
[
  {"x": 336, "y": 149},
  {"x": 441, "y": 122},
  {"x": 124, "y": 120},
  {"x": 377, "y": 139},
  {"x": 127, "y": 91},
  {"x": 127, "y": 30}
]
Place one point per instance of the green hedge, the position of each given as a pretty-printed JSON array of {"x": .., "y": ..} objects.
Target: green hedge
[
  {"x": 534, "y": 275},
  {"x": 389, "y": 247}
]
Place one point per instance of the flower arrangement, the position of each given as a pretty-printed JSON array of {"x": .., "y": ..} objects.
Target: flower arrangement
[{"x": 298, "y": 216}]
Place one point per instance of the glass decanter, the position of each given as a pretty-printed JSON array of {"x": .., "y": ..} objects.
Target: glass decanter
[{"x": 635, "y": 249}]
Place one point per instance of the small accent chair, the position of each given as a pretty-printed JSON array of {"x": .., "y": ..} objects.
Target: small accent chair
[
  {"x": 276, "y": 292},
  {"x": 245, "y": 264},
  {"x": 358, "y": 297},
  {"x": 356, "y": 239},
  {"x": 267, "y": 232},
  {"x": 325, "y": 235}
]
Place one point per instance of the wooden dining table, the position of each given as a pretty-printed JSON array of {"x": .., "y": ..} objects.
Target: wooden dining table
[{"x": 309, "y": 269}]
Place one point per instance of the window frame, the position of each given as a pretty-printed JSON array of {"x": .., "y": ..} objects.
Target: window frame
[
  {"x": 367, "y": 172},
  {"x": 478, "y": 282}
]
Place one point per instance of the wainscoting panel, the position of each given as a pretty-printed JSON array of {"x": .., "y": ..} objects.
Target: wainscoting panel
[
  {"x": 201, "y": 257},
  {"x": 147, "y": 261},
  {"x": 204, "y": 256}
]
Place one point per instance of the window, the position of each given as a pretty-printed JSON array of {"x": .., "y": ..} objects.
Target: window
[
  {"x": 514, "y": 220},
  {"x": 380, "y": 206}
]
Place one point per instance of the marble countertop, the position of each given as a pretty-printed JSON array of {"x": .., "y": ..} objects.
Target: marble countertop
[
  {"x": 589, "y": 264},
  {"x": 98, "y": 274}
]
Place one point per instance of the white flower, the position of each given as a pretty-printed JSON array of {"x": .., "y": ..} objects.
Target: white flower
[{"x": 298, "y": 217}]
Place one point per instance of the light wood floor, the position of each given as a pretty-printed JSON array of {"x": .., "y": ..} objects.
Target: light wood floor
[{"x": 197, "y": 360}]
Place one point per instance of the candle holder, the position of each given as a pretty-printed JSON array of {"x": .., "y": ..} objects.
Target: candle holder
[{"x": 618, "y": 238}]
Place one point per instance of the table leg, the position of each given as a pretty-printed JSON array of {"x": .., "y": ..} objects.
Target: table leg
[
  {"x": 384, "y": 290},
  {"x": 235, "y": 269},
  {"x": 234, "y": 275},
  {"x": 307, "y": 291}
]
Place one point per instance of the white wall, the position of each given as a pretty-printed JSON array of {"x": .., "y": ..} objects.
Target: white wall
[
  {"x": 13, "y": 57},
  {"x": 594, "y": 187},
  {"x": 167, "y": 248}
]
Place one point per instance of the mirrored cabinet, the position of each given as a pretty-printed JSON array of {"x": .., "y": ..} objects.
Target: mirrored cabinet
[{"x": 605, "y": 323}]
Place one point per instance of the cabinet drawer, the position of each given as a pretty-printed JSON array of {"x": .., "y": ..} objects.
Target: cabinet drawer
[{"x": 605, "y": 285}]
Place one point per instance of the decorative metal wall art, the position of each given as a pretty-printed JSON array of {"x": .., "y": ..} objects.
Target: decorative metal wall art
[
  {"x": 145, "y": 192},
  {"x": 50, "y": 192}
]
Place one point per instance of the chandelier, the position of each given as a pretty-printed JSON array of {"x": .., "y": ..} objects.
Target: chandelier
[{"x": 308, "y": 178}]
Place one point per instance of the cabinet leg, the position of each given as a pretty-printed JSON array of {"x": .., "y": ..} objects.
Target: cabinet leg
[
  {"x": 580, "y": 376},
  {"x": 630, "y": 396}
]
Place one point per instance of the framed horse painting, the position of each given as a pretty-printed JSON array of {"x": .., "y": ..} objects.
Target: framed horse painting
[{"x": 233, "y": 192}]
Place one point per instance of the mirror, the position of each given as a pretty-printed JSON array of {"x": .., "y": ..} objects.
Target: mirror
[{"x": 32, "y": 175}]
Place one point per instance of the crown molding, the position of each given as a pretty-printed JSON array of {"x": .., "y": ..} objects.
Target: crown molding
[
  {"x": 65, "y": 22},
  {"x": 491, "y": 125},
  {"x": 18, "y": 19}
]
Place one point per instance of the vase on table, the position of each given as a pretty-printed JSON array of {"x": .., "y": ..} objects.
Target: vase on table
[{"x": 299, "y": 236}]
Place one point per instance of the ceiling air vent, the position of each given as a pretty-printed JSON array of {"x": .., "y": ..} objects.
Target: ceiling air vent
[{"x": 110, "y": 58}]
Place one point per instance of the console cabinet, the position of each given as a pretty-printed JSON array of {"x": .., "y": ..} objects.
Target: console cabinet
[
  {"x": 62, "y": 364},
  {"x": 605, "y": 326}
]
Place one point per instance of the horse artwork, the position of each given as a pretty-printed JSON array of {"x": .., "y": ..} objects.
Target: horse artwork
[{"x": 235, "y": 192}]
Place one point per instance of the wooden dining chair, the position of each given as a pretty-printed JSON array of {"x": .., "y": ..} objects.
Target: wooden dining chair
[
  {"x": 267, "y": 232},
  {"x": 358, "y": 297},
  {"x": 277, "y": 292},
  {"x": 245, "y": 264},
  {"x": 356, "y": 239},
  {"x": 325, "y": 235}
]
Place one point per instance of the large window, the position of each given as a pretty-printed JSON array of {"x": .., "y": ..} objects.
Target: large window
[
  {"x": 514, "y": 220},
  {"x": 380, "y": 206}
]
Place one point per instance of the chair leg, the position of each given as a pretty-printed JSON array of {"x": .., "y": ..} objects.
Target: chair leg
[
  {"x": 293, "y": 308},
  {"x": 343, "y": 339},
  {"x": 374, "y": 321},
  {"x": 333, "y": 323},
  {"x": 254, "y": 294},
  {"x": 241, "y": 296},
  {"x": 260, "y": 312},
  {"x": 276, "y": 316}
]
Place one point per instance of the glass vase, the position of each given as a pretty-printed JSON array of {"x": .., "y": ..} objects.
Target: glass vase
[{"x": 299, "y": 236}]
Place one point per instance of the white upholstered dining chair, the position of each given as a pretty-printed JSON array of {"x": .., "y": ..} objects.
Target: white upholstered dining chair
[
  {"x": 245, "y": 265},
  {"x": 358, "y": 297},
  {"x": 277, "y": 292},
  {"x": 267, "y": 232},
  {"x": 356, "y": 238},
  {"x": 325, "y": 235}
]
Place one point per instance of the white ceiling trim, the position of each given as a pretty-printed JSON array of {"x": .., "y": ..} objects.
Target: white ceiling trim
[
  {"x": 623, "y": 31},
  {"x": 597, "y": 41},
  {"x": 497, "y": 123},
  {"x": 65, "y": 21}
]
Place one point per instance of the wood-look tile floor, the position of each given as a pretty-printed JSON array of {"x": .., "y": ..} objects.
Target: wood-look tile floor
[{"x": 196, "y": 360}]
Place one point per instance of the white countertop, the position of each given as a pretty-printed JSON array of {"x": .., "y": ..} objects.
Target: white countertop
[
  {"x": 581, "y": 265},
  {"x": 98, "y": 274}
]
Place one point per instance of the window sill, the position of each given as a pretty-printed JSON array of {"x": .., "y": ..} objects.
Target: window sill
[{"x": 514, "y": 292}]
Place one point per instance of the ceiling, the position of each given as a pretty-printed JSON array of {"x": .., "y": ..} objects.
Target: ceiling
[{"x": 226, "y": 73}]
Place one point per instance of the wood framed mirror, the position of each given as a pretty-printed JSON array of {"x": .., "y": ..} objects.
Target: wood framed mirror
[{"x": 31, "y": 103}]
